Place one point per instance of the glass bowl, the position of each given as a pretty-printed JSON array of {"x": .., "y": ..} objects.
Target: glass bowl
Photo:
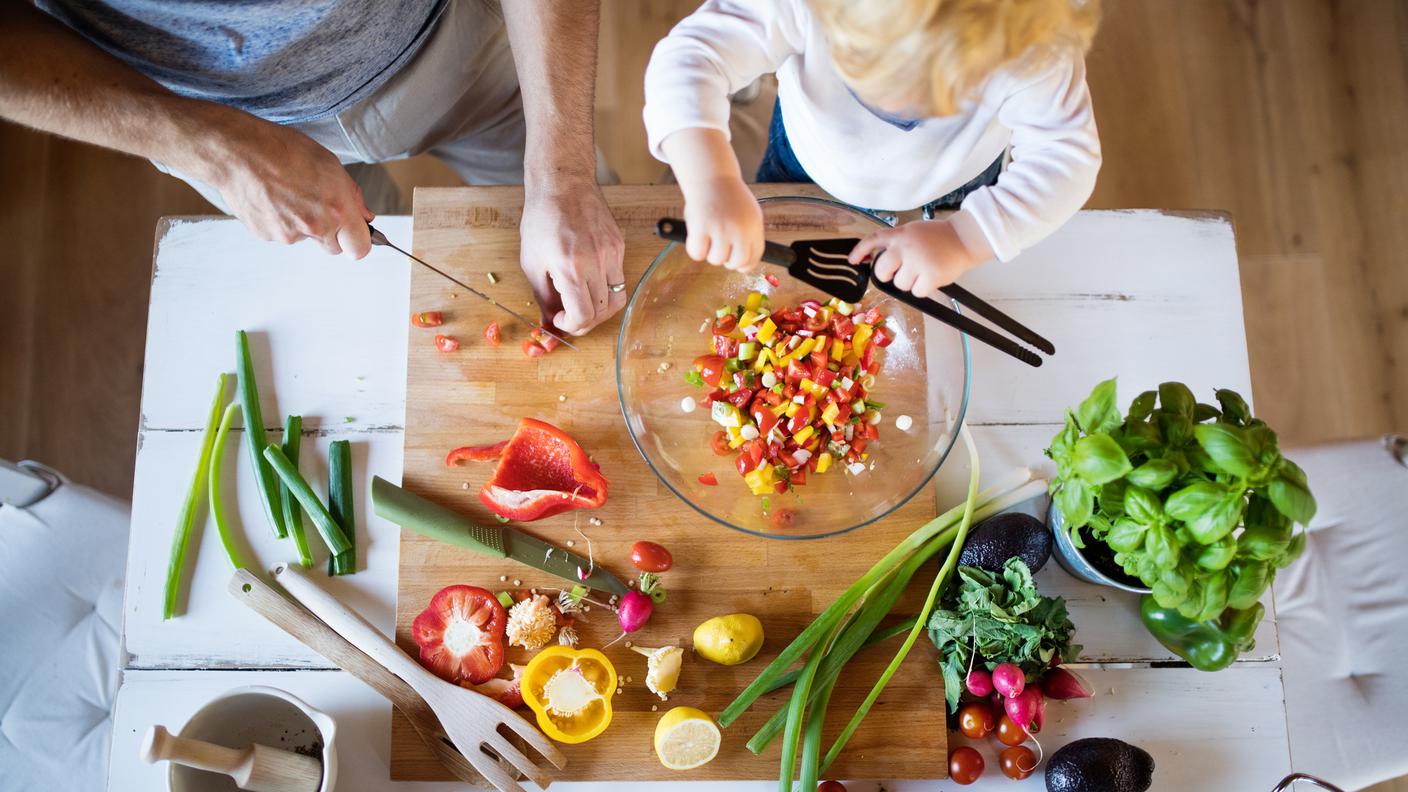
[{"x": 925, "y": 375}]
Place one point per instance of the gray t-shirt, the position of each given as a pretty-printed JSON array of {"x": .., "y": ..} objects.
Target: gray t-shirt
[{"x": 283, "y": 60}]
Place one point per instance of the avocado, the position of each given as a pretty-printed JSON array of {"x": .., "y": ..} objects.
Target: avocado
[
  {"x": 1002, "y": 536},
  {"x": 1099, "y": 764}
]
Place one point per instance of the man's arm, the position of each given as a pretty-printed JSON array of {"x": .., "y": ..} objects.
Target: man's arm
[
  {"x": 277, "y": 180},
  {"x": 571, "y": 246}
]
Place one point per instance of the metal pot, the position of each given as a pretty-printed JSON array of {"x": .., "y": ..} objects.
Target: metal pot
[{"x": 1071, "y": 560}]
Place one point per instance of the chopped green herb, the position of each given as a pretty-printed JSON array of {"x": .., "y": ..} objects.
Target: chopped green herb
[{"x": 693, "y": 378}]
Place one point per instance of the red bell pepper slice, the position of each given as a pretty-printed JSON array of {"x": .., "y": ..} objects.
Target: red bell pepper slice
[
  {"x": 475, "y": 453},
  {"x": 542, "y": 471}
]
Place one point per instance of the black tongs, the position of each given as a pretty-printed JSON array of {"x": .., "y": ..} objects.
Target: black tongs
[{"x": 824, "y": 265}]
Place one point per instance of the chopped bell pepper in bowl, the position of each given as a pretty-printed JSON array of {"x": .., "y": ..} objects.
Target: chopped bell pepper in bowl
[{"x": 570, "y": 691}]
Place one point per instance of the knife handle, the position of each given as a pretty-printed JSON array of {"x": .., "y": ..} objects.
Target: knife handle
[
  {"x": 418, "y": 515},
  {"x": 675, "y": 230}
]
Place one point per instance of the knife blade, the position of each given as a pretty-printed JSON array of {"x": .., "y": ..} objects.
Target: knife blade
[
  {"x": 418, "y": 515},
  {"x": 380, "y": 239}
]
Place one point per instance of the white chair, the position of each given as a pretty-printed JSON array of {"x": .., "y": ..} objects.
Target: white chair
[
  {"x": 1343, "y": 616},
  {"x": 63, "y": 552}
]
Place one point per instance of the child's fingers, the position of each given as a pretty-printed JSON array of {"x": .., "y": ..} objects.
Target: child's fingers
[
  {"x": 719, "y": 250},
  {"x": 875, "y": 242},
  {"x": 741, "y": 258},
  {"x": 887, "y": 264},
  {"x": 696, "y": 244},
  {"x": 905, "y": 278},
  {"x": 926, "y": 285}
]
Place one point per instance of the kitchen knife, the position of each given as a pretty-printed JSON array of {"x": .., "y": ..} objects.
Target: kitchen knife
[{"x": 418, "y": 515}]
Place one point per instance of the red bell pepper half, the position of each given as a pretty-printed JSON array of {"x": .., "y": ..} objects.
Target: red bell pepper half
[
  {"x": 542, "y": 471},
  {"x": 461, "y": 634}
]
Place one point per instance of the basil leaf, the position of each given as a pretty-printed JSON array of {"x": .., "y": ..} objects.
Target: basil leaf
[
  {"x": 1218, "y": 554},
  {"x": 1248, "y": 585},
  {"x": 1111, "y": 498},
  {"x": 1142, "y": 405},
  {"x": 1202, "y": 412},
  {"x": 1292, "y": 499},
  {"x": 1293, "y": 473},
  {"x": 1098, "y": 412},
  {"x": 1126, "y": 536},
  {"x": 1219, "y": 520},
  {"x": 1228, "y": 447},
  {"x": 1214, "y": 597},
  {"x": 1264, "y": 541},
  {"x": 1263, "y": 442},
  {"x": 1142, "y": 505},
  {"x": 1176, "y": 427},
  {"x": 1141, "y": 436},
  {"x": 1234, "y": 407},
  {"x": 1190, "y": 502},
  {"x": 1099, "y": 459},
  {"x": 1154, "y": 474},
  {"x": 1174, "y": 397},
  {"x": 1075, "y": 499},
  {"x": 1192, "y": 605},
  {"x": 1160, "y": 545},
  {"x": 1063, "y": 442},
  {"x": 1172, "y": 592},
  {"x": 1293, "y": 551}
]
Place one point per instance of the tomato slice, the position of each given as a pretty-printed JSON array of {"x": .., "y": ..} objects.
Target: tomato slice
[
  {"x": 461, "y": 634},
  {"x": 725, "y": 324},
  {"x": 872, "y": 317},
  {"x": 842, "y": 326},
  {"x": 446, "y": 343},
  {"x": 719, "y": 442},
  {"x": 428, "y": 319},
  {"x": 532, "y": 348},
  {"x": 708, "y": 479},
  {"x": 725, "y": 346},
  {"x": 491, "y": 333},
  {"x": 711, "y": 368},
  {"x": 547, "y": 341},
  {"x": 741, "y": 397},
  {"x": 815, "y": 323},
  {"x": 882, "y": 337}
]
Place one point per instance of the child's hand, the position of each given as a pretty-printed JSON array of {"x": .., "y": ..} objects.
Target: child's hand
[
  {"x": 920, "y": 257},
  {"x": 724, "y": 219}
]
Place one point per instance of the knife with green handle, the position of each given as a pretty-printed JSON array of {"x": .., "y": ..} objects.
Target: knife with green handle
[{"x": 418, "y": 515}]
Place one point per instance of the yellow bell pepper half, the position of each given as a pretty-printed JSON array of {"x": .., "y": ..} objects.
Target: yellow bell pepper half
[{"x": 570, "y": 690}]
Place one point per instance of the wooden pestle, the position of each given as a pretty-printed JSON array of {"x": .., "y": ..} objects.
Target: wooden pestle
[{"x": 257, "y": 768}]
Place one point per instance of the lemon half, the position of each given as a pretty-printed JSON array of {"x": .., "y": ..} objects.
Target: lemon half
[{"x": 686, "y": 738}]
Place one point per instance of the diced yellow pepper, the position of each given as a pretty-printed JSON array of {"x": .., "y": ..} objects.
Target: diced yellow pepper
[
  {"x": 761, "y": 477},
  {"x": 779, "y": 409},
  {"x": 767, "y": 330},
  {"x": 804, "y": 348},
  {"x": 823, "y": 462},
  {"x": 808, "y": 385},
  {"x": 804, "y": 434},
  {"x": 822, "y": 344},
  {"x": 861, "y": 337},
  {"x": 829, "y": 414},
  {"x": 838, "y": 349},
  {"x": 792, "y": 408},
  {"x": 816, "y": 441},
  {"x": 748, "y": 317},
  {"x": 754, "y": 301}
]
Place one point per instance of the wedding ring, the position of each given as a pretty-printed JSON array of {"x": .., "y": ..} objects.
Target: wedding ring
[{"x": 616, "y": 287}]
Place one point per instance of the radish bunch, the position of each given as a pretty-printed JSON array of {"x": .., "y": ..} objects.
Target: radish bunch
[{"x": 1024, "y": 704}]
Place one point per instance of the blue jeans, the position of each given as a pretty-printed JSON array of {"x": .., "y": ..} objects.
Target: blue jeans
[{"x": 780, "y": 165}]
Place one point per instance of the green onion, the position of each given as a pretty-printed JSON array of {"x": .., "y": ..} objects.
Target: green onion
[
  {"x": 340, "y": 505},
  {"x": 791, "y": 730},
  {"x": 254, "y": 435},
  {"x": 874, "y": 405},
  {"x": 217, "y": 504},
  {"x": 293, "y": 518},
  {"x": 505, "y": 599},
  {"x": 322, "y": 520},
  {"x": 693, "y": 378},
  {"x": 879, "y": 636},
  {"x": 186, "y": 520}
]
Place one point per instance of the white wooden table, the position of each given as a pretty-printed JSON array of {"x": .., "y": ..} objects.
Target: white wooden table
[{"x": 1144, "y": 295}]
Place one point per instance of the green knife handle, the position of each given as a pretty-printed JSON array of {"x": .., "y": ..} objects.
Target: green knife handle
[{"x": 419, "y": 515}]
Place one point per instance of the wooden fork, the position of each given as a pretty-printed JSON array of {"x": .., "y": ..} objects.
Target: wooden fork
[{"x": 471, "y": 720}]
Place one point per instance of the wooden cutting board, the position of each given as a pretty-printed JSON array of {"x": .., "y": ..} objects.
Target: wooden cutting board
[{"x": 477, "y": 394}]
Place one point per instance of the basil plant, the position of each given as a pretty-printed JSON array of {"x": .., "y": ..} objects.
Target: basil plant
[{"x": 1194, "y": 500}]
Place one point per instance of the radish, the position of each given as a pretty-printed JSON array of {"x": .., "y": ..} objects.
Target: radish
[
  {"x": 979, "y": 682},
  {"x": 1026, "y": 708},
  {"x": 634, "y": 611},
  {"x": 1061, "y": 684},
  {"x": 1009, "y": 680}
]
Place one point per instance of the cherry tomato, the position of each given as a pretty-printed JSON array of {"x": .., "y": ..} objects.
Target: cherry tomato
[
  {"x": 1009, "y": 733},
  {"x": 831, "y": 786},
  {"x": 428, "y": 319},
  {"x": 491, "y": 333},
  {"x": 783, "y": 518},
  {"x": 976, "y": 720},
  {"x": 772, "y": 280},
  {"x": 547, "y": 341},
  {"x": 965, "y": 764},
  {"x": 719, "y": 442},
  {"x": 725, "y": 324},
  {"x": 532, "y": 348},
  {"x": 651, "y": 557},
  {"x": 711, "y": 368},
  {"x": 1017, "y": 762},
  {"x": 708, "y": 479},
  {"x": 446, "y": 343}
]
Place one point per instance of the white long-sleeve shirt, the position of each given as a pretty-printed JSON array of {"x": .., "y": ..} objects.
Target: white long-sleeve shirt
[{"x": 1044, "y": 116}]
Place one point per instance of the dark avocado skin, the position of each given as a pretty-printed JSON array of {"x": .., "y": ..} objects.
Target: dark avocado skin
[
  {"x": 1002, "y": 536},
  {"x": 1099, "y": 764}
]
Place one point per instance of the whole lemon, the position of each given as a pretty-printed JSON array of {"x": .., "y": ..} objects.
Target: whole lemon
[{"x": 729, "y": 640}]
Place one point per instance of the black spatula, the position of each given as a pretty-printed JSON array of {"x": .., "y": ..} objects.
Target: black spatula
[{"x": 823, "y": 265}]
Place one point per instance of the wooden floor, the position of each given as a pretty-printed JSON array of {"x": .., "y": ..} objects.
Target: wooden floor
[{"x": 1288, "y": 114}]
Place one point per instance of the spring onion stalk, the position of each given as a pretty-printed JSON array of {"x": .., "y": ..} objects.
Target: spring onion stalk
[
  {"x": 322, "y": 520},
  {"x": 255, "y": 437},
  {"x": 340, "y": 505},
  {"x": 939, "y": 580},
  {"x": 811, "y": 739},
  {"x": 217, "y": 504},
  {"x": 293, "y": 518},
  {"x": 994, "y": 500},
  {"x": 187, "y": 518},
  {"x": 879, "y": 636},
  {"x": 792, "y": 731}
]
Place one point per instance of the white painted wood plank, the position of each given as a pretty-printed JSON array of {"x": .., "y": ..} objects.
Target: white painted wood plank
[
  {"x": 216, "y": 630},
  {"x": 328, "y": 334},
  {"x": 1178, "y": 715}
]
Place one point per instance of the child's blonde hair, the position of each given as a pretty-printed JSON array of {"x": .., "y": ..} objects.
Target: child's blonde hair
[{"x": 930, "y": 55}]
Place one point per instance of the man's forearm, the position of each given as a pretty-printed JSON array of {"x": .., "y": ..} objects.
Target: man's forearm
[
  {"x": 53, "y": 80},
  {"x": 554, "y": 50}
]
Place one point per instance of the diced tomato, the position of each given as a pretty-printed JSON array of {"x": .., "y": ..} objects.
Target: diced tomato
[
  {"x": 798, "y": 477},
  {"x": 765, "y": 420},
  {"x": 812, "y": 463},
  {"x": 872, "y": 432},
  {"x": 815, "y": 323},
  {"x": 786, "y": 458},
  {"x": 428, "y": 319},
  {"x": 843, "y": 412},
  {"x": 740, "y": 379},
  {"x": 719, "y": 442},
  {"x": 725, "y": 347},
  {"x": 797, "y": 371},
  {"x": 780, "y": 487},
  {"x": 717, "y": 394},
  {"x": 824, "y": 377},
  {"x": 474, "y": 621},
  {"x": 767, "y": 397},
  {"x": 788, "y": 315},
  {"x": 547, "y": 341},
  {"x": 725, "y": 324},
  {"x": 872, "y": 317},
  {"x": 741, "y": 397},
  {"x": 883, "y": 337},
  {"x": 788, "y": 391},
  {"x": 743, "y": 463},
  {"x": 772, "y": 280},
  {"x": 711, "y": 368},
  {"x": 858, "y": 444},
  {"x": 446, "y": 343},
  {"x": 532, "y": 348},
  {"x": 708, "y": 479},
  {"x": 491, "y": 333},
  {"x": 783, "y": 518},
  {"x": 796, "y": 422},
  {"x": 842, "y": 327},
  {"x": 819, "y": 360},
  {"x": 868, "y": 356}
]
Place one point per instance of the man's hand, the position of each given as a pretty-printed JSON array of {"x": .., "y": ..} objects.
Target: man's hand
[
  {"x": 572, "y": 254},
  {"x": 285, "y": 187},
  {"x": 920, "y": 257}
]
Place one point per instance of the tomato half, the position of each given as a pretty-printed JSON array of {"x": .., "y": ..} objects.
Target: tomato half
[
  {"x": 831, "y": 786},
  {"x": 461, "y": 634},
  {"x": 446, "y": 343},
  {"x": 532, "y": 348},
  {"x": 491, "y": 333},
  {"x": 711, "y": 368},
  {"x": 965, "y": 765},
  {"x": 719, "y": 442},
  {"x": 772, "y": 280},
  {"x": 428, "y": 319}
]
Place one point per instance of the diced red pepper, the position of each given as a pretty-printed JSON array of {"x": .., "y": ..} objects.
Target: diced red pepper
[
  {"x": 741, "y": 397},
  {"x": 708, "y": 479},
  {"x": 882, "y": 337},
  {"x": 491, "y": 333},
  {"x": 798, "y": 477},
  {"x": 872, "y": 317},
  {"x": 717, "y": 394},
  {"x": 446, "y": 343},
  {"x": 772, "y": 280},
  {"x": 542, "y": 472},
  {"x": 428, "y": 319},
  {"x": 824, "y": 377},
  {"x": 858, "y": 444},
  {"x": 765, "y": 420},
  {"x": 868, "y": 356},
  {"x": 475, "y": 453},
  {"x": 815, "y": 323},
  {"x": 819, "y": 360},
  {"x": 872, "y": 432},
  {"x": 710, "y": 368},
  {"x": 797, "y": 371},
  {"x": 796, "y": 422}
]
